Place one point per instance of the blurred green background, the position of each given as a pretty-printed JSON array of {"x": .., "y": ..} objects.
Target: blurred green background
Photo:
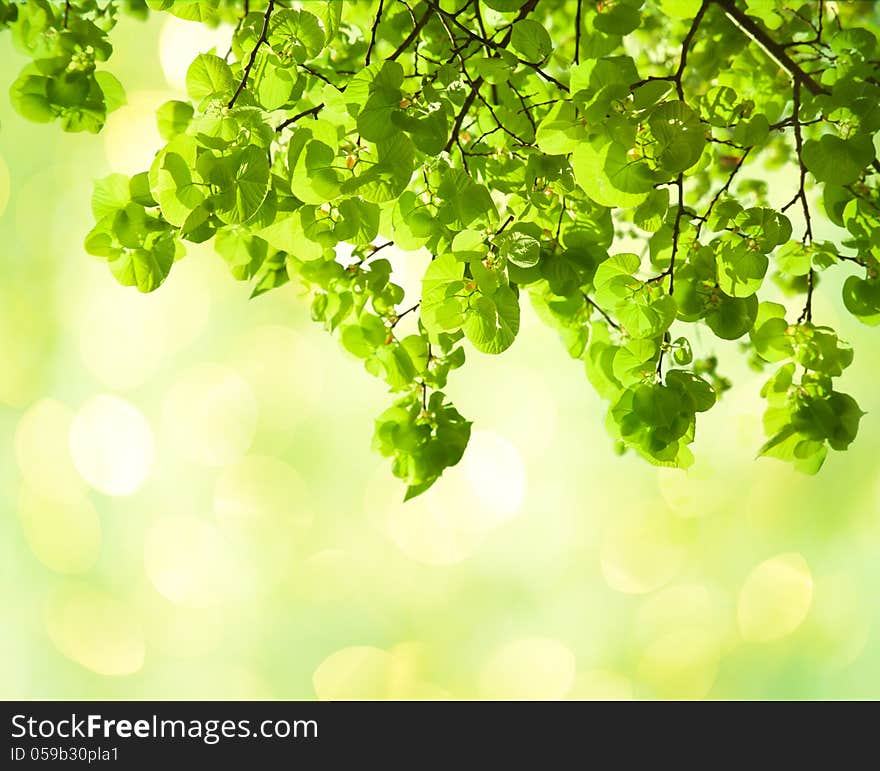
[{"x": 191, "y": 509}]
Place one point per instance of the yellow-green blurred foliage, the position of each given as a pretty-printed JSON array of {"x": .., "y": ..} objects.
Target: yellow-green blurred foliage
[{"x": 190, "y": 507}]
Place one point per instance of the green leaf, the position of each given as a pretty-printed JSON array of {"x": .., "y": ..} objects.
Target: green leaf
[
  {"x": 770, "y": 335},
  {"x": 492, "y": 322},
  {"x": 838, "y": 161},
  {"x": 174, "y": 183},
  {"x": 111, "y": 88},
  {"x": 650, "y": 214},
  {"x": 862, "y": 298},
  {"x": 296, "y": 33},
  {"x": 617, "y": 19},
  {"x": 531, "y": 40},
  {"x": 173, "y": 118},
  {"x": 680, "y": 136},
  {"x": 470, "y": 245},
  {"x": 244, "y": 182},
  {"x": 109, "y": 195},
  {"x": 609, "y": 177},
  {"x": 741, "y": 268},
  {"x": 442, "y": 284},
  {"x": 520, "y": 249},
  {"x": 680, "y": 9},
  {"x": 560, "y": 131},
  {"x": 358, "y": 221},
  {"x": 208, "y": 75},
  {"x": 145, "y": 269},
  {"x": 731, "y": 317}
]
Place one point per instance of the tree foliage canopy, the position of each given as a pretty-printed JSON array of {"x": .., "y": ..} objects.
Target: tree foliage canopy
[{"x": 518, "y": 143}]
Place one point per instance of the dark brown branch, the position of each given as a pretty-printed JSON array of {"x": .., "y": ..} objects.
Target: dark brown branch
[
  {"x": 799, "y": 147},
  {"x": 722, "y": 191},
  {"x": 462, "y": 113},
  {"x": 807, "y": 312},
  {"x": 373, "y": 33},
  {"x": 676, "y": 231},
  {"x": 479, "y": 17},
  {"x": 685, "y": 48},
  {"x": 250, "y": 63},
  {"x": 577, "y": 33},
  {"x": 559, "y": 222},
  {"x": 504, "y": 225},
  {"x": 476, "y": 85},
  {"x": 423, "y": 20},
  {"x": 315, "y": 74},
  {"x": 66, "y": 12},
  {"x": 670, "y": 271},
  {"x": 311, "y": 111},
  {"x": 525, "y": 108},
  {"x": 774, "y": 49},
  {"x": 500, "y": 46},
  {"x": 593, "y": 304},
  {"x": 396, "y": 320}
]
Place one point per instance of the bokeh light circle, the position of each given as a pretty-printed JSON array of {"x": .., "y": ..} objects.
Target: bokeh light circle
[
  {"x": 64, "y": 535},
  {"x": 775, "y": 598},
  {"x": 497, "y": 475},
  {"x": 42, "y": 451},
  {"x": 261, "y": 507},
  {"x": 209, "y": 416},
  {"x": 528, "y": 669},
  {"x": 112, "y": 445},
  {"x": 188, "y": 562},
  {"x": 95, "y": 629},
  {"x": 181, "y": 41},
  {"x": 640, "y": 554}
]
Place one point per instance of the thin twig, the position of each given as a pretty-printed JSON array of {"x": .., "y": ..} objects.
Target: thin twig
[
  {"x": 590, "y": 301},
  {"x": 400, "y": 315},
  {"x": 504, "y": 225},
  {"x": 685, "y": 47},
  {"x": 373, "y": 33},
  {"x": 423, "y": 20},
  {"x": 670, "y": 271},
  {"x": 702, "y": 220},
  {"x": 250, "y": 64},
  {"x": 311, "y": 111}
]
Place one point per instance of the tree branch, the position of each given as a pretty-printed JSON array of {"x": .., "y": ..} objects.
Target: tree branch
[
  {"x": 462, "y": 113},
  {"x": 592, "y": 303},
  {"x": 722, "y": 191},
  {"x": 311, "y": 111},
  {"x": 250, "y": 64},
  {"x": 396, "y": 320},
  {"x": 373, "y": 33},
  {"x": 670, "y": 271},
  {"x": 685, "y": 47},
  {"x": 423, "y": 20},
  {"x": 502, "y": 45},
  {"x": 771, "y": 47}
]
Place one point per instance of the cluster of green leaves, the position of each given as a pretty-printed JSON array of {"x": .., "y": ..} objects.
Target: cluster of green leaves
[
  {"x": 529, "y": 147},
  {"x": 66, "y": 42}
]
